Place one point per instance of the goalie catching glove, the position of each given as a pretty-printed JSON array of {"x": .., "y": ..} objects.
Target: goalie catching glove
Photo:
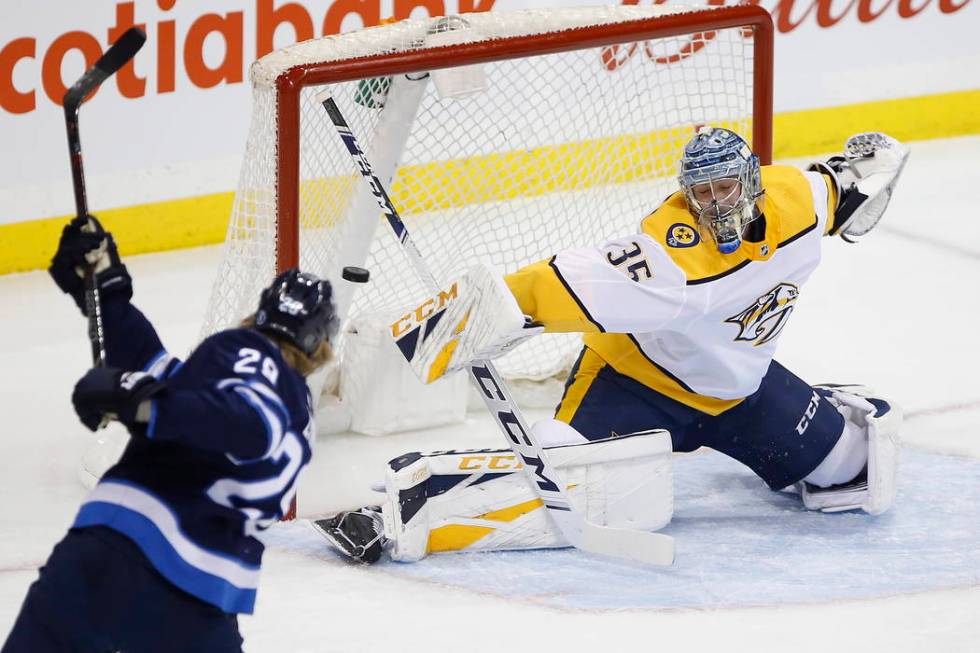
[
  {"x": 475, "y": 318},
  {"x": 864, "y": 178}
]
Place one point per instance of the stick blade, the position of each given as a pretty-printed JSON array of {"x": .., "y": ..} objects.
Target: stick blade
[
  {"x": 625, "y": 544},
  {"x": 124, "y": 49}
]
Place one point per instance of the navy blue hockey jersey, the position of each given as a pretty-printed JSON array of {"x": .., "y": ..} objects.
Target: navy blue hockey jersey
[{"x": 225, "y": 443}]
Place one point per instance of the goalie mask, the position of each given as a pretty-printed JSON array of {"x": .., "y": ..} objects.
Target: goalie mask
[
  {"x": 299, "y": 308},
  {"x": 722, "y": 184}
]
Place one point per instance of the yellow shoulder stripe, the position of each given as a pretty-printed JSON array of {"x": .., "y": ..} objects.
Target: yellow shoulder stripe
[
  {"x": 546, "y": 298},
  {"x": 676, "y": 230},
  {"x": 789, "y": 201},
  {"x": 789, "y": 212}
]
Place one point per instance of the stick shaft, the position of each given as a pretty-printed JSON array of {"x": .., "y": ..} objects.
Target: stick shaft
[
  {"x": 75, "y": 157},
  {"x": 639, "y": 546},
  {"x": 124, "y": 49},
  {"x": 483, "y": 374}
]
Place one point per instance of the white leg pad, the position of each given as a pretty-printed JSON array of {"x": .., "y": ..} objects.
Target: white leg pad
[
  {"x": 884, "y": 446},
  {"x": 882, "y": 425},
  {"x": 480, "y": 500}
]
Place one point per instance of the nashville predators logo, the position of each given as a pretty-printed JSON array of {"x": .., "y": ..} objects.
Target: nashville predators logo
[
  {"x": 764, "y": 319},
  {"x": 682, "y": 235}
]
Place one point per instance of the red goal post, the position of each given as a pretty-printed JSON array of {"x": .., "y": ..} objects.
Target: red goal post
[
  {"x": 292, "y": 81},
  {"x": 573, "y": 139},
  {"x": 284, "y": 207}
]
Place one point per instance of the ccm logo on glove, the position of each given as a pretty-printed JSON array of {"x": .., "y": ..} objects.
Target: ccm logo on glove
[{"x": 425, "y": 310}]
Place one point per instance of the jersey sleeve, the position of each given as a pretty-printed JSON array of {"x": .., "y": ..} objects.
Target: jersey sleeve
[
  {"x": 131, "y": 342},
  {"x": 237, "y": 410},
  {"x": 627, "y": 285},
  {"x": 832, "y": 221}
]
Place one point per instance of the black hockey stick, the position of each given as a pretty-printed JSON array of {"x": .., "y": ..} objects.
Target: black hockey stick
[
  {"x": 124, "y": 49},
  {"x": 627, "y": 544}
]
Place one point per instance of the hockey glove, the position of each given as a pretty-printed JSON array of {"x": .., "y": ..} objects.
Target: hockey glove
[
  {"x": 85, "y": 244},
  {"x": 475, "y": 318},
  {"x": 865, "y": 178},
  {"x": 113, "y": 393}
]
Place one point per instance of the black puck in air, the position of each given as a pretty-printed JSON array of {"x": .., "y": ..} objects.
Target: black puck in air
[{"x": 355, "y": 274}]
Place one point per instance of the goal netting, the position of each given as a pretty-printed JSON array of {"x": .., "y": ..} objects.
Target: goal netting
[{"x": 570, "y": 136}]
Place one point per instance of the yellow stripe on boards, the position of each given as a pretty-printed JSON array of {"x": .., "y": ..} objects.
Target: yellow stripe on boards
[
  {"x": 538, "y": 171},
  {"x": 819, "y": 131},
  {"x": 157, "y": 227},
  {"x": 203, "y": 220}
]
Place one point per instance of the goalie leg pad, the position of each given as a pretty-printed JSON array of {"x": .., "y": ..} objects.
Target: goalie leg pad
[
  {"x": 480, "y": 501},
  {"x": 873, "y": 491}
]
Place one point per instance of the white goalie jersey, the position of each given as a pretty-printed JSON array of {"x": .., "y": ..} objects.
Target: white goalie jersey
[{"x": 669, "y": 310}]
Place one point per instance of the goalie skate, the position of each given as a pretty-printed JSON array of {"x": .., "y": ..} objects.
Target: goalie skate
[{"x": 358, "y": 534}]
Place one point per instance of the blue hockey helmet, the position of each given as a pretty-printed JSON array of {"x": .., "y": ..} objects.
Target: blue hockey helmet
[
  {"x": 722, "y": 183},
  {"x": 298, "y": 307}
]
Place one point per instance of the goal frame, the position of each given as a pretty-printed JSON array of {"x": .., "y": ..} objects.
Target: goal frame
[{"x": 290, "y": 83}]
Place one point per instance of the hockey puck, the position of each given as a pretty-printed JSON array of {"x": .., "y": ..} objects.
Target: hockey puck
[{"x": 355, "y": 274}]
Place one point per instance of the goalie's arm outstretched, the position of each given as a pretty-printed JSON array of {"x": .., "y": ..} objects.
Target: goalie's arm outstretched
[{"x": 628, "y": 285}]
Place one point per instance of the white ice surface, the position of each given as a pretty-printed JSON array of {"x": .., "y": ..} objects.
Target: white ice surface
[{"x": 899, "y": 312}]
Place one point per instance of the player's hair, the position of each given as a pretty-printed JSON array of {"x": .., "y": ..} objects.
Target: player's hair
[{"x": 293, "y": 355}]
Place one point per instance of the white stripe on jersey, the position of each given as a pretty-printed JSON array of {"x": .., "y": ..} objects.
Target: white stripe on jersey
[
  {"x": 159, "y": 514},
  {"x": 273, "y": 418},
  {"x": 269, "y": 394},
  {"x": 158, "y": 364},
  {"x": 223, "y": 490}
]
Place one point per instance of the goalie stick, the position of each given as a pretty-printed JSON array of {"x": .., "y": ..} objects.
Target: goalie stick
[
  {"x": 637, "y": 546},
  {"x": 124, "y": 49}
]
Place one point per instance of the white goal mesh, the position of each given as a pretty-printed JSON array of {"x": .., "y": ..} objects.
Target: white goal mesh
[{"x": 561, "y": 149}]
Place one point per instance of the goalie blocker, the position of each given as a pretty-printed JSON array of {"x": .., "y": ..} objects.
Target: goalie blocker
[
  {"x": 478, "y": 500},
  {"x": 475, "y": 318}
]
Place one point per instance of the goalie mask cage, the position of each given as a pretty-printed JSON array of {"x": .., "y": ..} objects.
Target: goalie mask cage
[{"x": 574, "y": 138}]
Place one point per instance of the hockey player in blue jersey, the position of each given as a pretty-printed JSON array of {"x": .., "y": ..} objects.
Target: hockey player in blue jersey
[{"x": 163, "y": 554}]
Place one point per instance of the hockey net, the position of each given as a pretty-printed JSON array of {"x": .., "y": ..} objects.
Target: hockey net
[{"x": 573, "y": 140}]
